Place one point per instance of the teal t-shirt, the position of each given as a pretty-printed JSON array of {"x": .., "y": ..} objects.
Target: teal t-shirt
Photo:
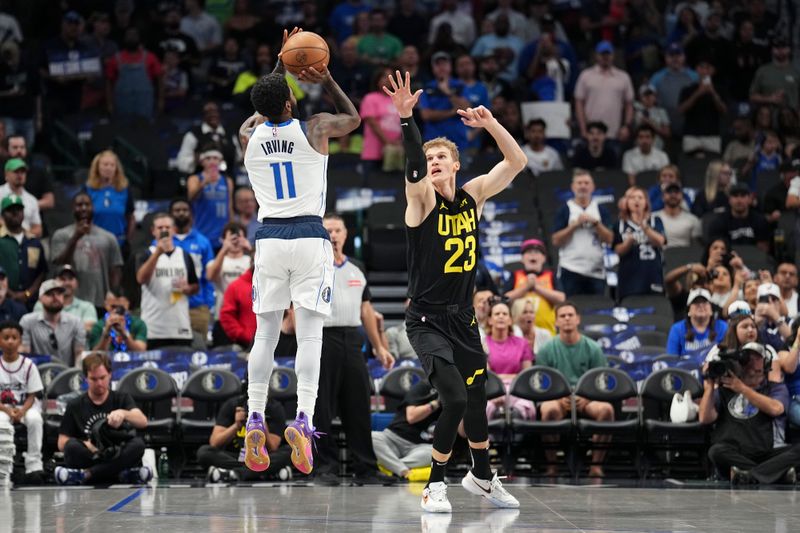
[{"x": 571, "y": 360}]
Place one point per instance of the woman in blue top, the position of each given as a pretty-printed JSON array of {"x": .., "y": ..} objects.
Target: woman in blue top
[
  {"x": 700, "y": 331},
  {"x": 638, "y": 240},
  {"x": 112, "y": 200},
  {"x": 211, "y": 195}
]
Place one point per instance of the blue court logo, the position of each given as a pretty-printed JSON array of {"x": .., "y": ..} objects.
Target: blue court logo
[
  {"x": 326, "y": 295},
  {"x": 671, "y": 383},
  {"x": 279, "y": 381},
  {"x": 606, "y": 382},
  {"x": 541, "y": 382}
]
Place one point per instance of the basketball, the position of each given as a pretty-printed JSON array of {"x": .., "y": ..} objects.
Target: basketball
[{"x": 303, "y": 50}]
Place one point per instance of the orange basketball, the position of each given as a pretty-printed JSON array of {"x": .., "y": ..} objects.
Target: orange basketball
[{"x": 303, "y": 50}]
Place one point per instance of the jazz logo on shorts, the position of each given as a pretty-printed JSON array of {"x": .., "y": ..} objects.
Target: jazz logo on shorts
[
  {"x": 326, "y": 295},
  {"x": 471, "y": 379}
]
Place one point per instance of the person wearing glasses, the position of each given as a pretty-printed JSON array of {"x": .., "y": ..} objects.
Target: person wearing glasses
[{"x": 51, "y": 331}]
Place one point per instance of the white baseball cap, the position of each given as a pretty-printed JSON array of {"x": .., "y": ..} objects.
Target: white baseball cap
[
  {"x": 694, "y": 294},
  {"x": 739, "y": 307},
  {"x": 769, "y": 289}
]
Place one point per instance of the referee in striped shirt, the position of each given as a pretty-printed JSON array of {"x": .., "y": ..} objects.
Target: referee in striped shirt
[{"x": 343, "y": 378}]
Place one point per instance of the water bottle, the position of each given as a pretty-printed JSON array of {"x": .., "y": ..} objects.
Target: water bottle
[{"x": 163, "y": 464}]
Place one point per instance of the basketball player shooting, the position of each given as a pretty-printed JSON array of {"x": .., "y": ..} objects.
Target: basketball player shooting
[
  {"x": 442, "y": 228},
  {"x": 286, "y": 161}
]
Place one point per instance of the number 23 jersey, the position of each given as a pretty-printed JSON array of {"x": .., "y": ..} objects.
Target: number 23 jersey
[
  {"x": 288, "y": 176},
  {"x": 443, "y": 252}
]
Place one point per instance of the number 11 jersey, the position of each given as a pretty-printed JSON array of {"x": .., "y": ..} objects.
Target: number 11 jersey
[
  {"x": 288, "y": 176},
  {"x": 443, "y": 252}
]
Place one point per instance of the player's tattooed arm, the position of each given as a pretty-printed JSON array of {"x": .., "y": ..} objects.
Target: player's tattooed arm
[{"x": 324, "y": 126}]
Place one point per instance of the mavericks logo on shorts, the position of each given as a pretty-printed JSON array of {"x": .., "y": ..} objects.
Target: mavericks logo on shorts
[{"x": 326, "y": 295}]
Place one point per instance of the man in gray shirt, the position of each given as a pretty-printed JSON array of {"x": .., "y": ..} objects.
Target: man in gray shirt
[
  {"x": 51, "y": 331},
  {"x": 92, "y": 251},
  {"x": 680, "y": 226},
  {"x": 777, "y": 82}
]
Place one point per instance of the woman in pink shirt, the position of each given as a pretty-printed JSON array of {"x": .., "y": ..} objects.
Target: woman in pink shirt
[
  {"x": 508, "y": 356},
  {"x": 381, "y": 123}
]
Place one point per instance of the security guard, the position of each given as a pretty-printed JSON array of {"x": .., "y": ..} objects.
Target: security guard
[{"x": 343, "y": 377}]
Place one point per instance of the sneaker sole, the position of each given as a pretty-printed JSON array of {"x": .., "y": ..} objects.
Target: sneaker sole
[
  {"x": 256, "y": 457},
  {"x": 301, "y": 454},
  {"x": 472, "y": 488}
]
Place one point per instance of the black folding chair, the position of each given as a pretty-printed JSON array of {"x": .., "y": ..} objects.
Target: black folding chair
[{"x": 540, "y": 384}]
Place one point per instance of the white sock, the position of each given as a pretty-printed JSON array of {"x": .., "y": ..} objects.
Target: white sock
[
  {"x": 262, "y": 357},
  {"x": 309, "y": 350}
]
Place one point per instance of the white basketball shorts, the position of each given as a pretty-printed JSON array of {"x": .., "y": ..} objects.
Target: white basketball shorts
[{"x": 298, "y": 271}]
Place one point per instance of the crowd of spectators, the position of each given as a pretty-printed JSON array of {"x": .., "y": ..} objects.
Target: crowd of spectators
[{"x": 668, "y": 93}]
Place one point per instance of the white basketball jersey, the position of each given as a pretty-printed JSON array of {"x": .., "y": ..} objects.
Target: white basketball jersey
[{"x": 288, "y": 176}]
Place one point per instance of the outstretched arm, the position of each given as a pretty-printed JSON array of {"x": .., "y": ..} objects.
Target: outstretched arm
[
  {"x": 419, "y": 190},
  {"x": 514, "y": 159}
]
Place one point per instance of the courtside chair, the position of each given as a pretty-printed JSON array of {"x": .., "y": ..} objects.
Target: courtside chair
[
  {"x": 669, "y": 445},
  {"x": 539, "y": 384},
  {"x": 613, "y": 386}
]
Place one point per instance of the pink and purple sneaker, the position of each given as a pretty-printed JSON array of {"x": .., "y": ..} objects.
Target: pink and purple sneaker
[
  {"x": 300, "y": 434},
  {"x": 255, "y": 440}
]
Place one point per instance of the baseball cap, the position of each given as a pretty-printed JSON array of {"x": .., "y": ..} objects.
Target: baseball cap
[
  {"x": 674, "y": 49},
  {"x": 672, "y": 186},
  {"x": 779, "y": 42},
  {"x": 10, "y": 201},
  {"x": 739, "y": 307},
  {"x": 65, "y": 268},
  {"x": 756, "y": 347},
  {"x": 439, "y": 56},
  {"x": 769, "y": 289},
  {"x": 739, "y": 188},
  {"x": 14, "y": 164},
  {"x": 646, "y": 88},
  {"x": 3, "y": 272},
  {"x": 533, "y": 244},
  {"x": 547, "y": 20},
  {"x": 696, "y": 294},
  {"x": 604, "y": 47},
  {"x": 50, "y": 285},
  {"x": 72, "y": 16}
]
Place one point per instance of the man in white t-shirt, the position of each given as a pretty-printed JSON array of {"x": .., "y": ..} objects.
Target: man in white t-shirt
[
  {"x": 580, "y": 229},
  {"x": 541, "y": 158},
  {"x": 168, "y": 277},
  {"x": 680, "y": 226},
  {"x": 645, "y": 156},
  {"x": 20, "y": 383},
  {"x": 16, "y": 172}
]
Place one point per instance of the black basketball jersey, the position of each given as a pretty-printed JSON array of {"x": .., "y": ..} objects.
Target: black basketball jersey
[{"x": 443, "y": 252}]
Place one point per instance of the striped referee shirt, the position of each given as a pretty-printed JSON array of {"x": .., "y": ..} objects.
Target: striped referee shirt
[{"x": 350, "y": 290}]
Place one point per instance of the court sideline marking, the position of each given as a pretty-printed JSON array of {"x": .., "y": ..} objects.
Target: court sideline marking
[{"x": 117, "y": 507}]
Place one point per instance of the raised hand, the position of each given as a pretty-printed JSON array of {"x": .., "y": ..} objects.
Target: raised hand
[
  {"x": 476, "y": 117},
  {"x": 287, "y": 34},
  {"x": 312, "y": 75},
  {"x": 400, "y": 93}
]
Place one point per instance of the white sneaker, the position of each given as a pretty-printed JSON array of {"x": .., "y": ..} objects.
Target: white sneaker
[
  {"x": 434, "y": 498},
  {"x": 491, "y": 490}
]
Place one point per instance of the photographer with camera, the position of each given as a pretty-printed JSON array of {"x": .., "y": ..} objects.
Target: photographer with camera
[
  {"x": 97, "y": 433},
  {"x": 750, "y": 415},
  {"x": 224, "y": 454},
  {"x": 118, "y": 330}
]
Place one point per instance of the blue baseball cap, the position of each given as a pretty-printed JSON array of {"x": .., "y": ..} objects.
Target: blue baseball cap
[
  {"x": 674, "y": 49},
  {"x": 604, "y": 47}
]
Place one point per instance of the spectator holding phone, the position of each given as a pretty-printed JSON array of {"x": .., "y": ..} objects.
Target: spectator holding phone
[
  {"x": 118, "y": 330},
  {"x": 232, "y": 260}
]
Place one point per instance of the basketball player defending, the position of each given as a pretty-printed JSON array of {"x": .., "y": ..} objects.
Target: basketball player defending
[
  {"x": 442, "y": 228},
  {"x": 286, "y": 160}
]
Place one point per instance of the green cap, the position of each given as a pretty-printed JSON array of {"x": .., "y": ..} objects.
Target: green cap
[
  {"x": 8, "y": 201},
  {"x": 15, "y": 164}
]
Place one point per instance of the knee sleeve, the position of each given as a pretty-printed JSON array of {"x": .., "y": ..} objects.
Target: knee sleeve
[
  {"x": 453, "y": 397},
  {"x": 476, "y": 425},
  {"x": 309, "y": 350}
]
